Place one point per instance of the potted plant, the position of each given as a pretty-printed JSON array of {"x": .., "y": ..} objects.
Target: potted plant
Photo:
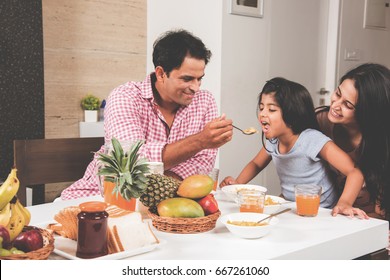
[{"x": 90, "y": 105}]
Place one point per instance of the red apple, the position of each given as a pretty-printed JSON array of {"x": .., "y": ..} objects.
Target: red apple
[
  {"x": 209, "y": 204},
  {"x": 6, "y": 238},
  {"x": 28, "y": 241}
]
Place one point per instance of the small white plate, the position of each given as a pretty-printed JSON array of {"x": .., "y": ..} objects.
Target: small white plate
[
  {"x": 66, "y": 248},
  {"x": 231, "y": 190}
]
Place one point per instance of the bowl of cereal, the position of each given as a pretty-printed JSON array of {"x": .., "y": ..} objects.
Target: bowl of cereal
[
  {"x": 245, "y": 224},
  {"x": 231, "y": 191},
  {"x": 273, "y": 203}
]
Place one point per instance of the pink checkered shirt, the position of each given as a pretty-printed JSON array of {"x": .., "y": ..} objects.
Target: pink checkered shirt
[{"x": 131, "y": 114}]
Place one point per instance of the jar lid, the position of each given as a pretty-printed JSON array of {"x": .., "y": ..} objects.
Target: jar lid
[{"x": 93, "y": 206}]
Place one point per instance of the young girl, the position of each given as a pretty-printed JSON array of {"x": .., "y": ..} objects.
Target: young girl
[{"x": 298, "y": 149}]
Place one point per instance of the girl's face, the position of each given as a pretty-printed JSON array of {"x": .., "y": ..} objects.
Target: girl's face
[
  {"x": 342, "y": 103},
  {"x": 270, "y": 117}
]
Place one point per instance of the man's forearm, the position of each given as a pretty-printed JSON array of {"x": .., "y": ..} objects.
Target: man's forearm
[{"x": 180, "y": 151}]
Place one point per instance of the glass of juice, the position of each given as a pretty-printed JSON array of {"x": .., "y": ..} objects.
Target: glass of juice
[
  {"x": 107, "y": 185},
  {"x": 251, "y": 201},
  {"x": 214, "y": 175},
  {"x": 114, "y": 198},
  {"x": 307, "y": 198},
  {"x": 156, "y": 167}
]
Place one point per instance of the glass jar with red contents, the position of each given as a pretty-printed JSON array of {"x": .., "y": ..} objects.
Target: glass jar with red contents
[{"x": 92, "y": 230}]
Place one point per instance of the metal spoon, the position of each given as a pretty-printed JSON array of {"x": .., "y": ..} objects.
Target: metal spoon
[
  {"x": 274, "y": 214},
  {"x": 248, "y": 131}
]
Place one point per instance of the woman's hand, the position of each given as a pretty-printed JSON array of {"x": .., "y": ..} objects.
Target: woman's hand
[
  {"x": 348, "y": 210},
  {"x": 227, "y": 181}
]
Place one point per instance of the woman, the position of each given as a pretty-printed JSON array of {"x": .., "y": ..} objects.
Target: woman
[{"x": 358, "y": 120}]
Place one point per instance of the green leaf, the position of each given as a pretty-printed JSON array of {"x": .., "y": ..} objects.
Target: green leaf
[
  {"x": 108, "y": 171},
  {"x": 108, "y": 160},
  {"x": 125, "y": 169},
  {"x": 117, "y": 151}
]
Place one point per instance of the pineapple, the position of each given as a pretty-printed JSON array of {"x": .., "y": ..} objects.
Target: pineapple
[
  {"x": 160, "y": 187},
  {"x": 125, "y": 169}
]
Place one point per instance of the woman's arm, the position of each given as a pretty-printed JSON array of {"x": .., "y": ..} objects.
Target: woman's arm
[
  {"x": 354, "y": 180},
  {"x": 254, "y": 167}
]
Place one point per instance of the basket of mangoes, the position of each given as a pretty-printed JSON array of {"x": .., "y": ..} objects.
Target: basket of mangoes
[{"x": 186, "y": 206}]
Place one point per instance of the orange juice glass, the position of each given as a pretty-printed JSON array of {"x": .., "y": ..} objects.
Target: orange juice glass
[
  {"x": 307, "y": 198},
  {"x": 251, "y": 201},
  {"x": 214, "y": 175},
  {"x": 116, "y": 198}
]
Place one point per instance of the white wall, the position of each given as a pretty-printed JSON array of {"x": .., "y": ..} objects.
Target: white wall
[
  {"x": 373, "y": 44},
  {"x": 245, "y": 63},
  {"x": 289, "y": 41}
]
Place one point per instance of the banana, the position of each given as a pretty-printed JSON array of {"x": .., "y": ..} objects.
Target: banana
[
  {"x": 16, "y": 222},
  {"x": 5, "y": 214},
  {"x": 9, "y": 188},
  {"x": 25, "y": 212}
]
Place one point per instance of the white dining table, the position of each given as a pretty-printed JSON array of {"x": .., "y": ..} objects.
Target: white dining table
[{"x": 323, "y": 237}]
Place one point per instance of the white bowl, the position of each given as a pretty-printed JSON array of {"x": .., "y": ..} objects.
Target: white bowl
[
  {"x": 269, "y": 209},
  {"x": 231, "y": 190},
  {"x": 249, "y": 231}
]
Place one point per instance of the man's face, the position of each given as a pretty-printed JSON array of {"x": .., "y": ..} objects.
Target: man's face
[{"x": 183, "y": 83}]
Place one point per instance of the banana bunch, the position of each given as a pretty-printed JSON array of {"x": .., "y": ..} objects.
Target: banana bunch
[
  {"x": 9, "y": 188},
  {"x": 13, "y": 215},
  {"x": 5, "y": 214},
  {"x": 20, "y": 217}
]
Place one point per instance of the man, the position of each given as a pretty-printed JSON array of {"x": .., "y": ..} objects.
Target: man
[{"x": 168, "y": 110}]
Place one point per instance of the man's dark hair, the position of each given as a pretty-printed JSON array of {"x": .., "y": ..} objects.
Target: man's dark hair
[{"x": 170, "y": 49}]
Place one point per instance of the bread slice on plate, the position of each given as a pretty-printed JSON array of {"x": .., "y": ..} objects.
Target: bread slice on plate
[
  {"x": 126, "y": 229},
  {"x": 128, "y": 232}
]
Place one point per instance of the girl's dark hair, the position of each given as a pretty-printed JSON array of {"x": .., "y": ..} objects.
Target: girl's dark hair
[
  {"x": 295, "y": 102},
  {"x": 372, "y": 82},
  {"x": 170, "y": 49}
]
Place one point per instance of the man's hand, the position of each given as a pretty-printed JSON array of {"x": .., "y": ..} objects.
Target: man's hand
[{"x": 216, "y": 133}]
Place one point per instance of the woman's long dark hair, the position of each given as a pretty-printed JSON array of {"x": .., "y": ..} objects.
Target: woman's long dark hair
[
  {"x": 372, "y": 82},
  {"x": 295, "y": 103}
]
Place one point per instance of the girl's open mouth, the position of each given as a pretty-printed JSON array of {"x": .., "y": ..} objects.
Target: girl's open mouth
[{"x": 265, "y": 126}]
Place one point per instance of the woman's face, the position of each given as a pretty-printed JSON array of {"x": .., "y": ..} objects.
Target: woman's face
[{"x": 342, "y": 103}]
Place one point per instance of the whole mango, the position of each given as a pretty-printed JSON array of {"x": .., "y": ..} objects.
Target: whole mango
[
  {"x": 195, "y": 186},
  {"x": 179, "y": 207}
]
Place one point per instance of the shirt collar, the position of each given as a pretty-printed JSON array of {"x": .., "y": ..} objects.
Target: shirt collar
[
  {"x": 147, "y": 89},
  {"x": 147, "y": 92}
]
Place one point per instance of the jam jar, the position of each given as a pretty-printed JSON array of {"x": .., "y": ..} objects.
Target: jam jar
[{"x": 92, "y": 230}]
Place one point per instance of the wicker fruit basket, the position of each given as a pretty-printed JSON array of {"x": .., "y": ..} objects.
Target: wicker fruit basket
[
  {"x": 184, "y": 225},
  {"x": 40, "y": 254}
]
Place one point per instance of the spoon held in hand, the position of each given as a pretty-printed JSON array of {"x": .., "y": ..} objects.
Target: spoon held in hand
[{"x": 248, "y": 131}]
